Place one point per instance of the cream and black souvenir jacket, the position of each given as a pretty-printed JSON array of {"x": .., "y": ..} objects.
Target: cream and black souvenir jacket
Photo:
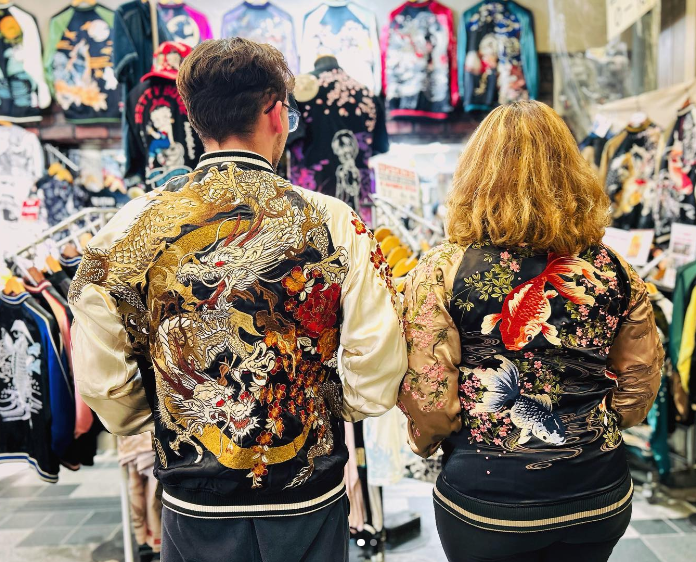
[{"x": 241, "y": 319}]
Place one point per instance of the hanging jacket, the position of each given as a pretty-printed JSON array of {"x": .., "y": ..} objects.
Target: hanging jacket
[
  {"x": 627, "y": 170},
  {"x": 230, "y": 290},
  {"x": 133, "y": 42},
  {"x": 419, "y": 61},
  {"x": 497, "y": 55},
  {"x": 23, "y": 89},
  {"x": 37, "y": 408},
  {"x": 349, "y": 33},
  {"x": 264, "y": 23},
  {"x": 21, "y": 164},
  {"x": 342, "y": 127},
  {"x": 79, "y": 64},
  {"x": 680, "y": 299},
  {"x": 676, "y": 178},
  {"x": 525, "y": 366},
  {"x": 162, "y": 143},
  {"x": 185, "y": 24}
]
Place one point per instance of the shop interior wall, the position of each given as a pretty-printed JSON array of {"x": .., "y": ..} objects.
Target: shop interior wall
[{"x": 590, "y": 32}]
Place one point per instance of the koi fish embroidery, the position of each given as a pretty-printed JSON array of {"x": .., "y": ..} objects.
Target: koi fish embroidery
[
  {"x": 530, "y": 413},
  {"x": 527, "y": 309}
]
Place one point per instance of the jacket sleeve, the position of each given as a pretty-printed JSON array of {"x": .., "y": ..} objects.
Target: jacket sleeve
[
  {"x": 372, "y": 356},
  {"x": 429, "y": 393},
  {"x": 104, "y": 364},
  {"x": 636, "y": 358}
]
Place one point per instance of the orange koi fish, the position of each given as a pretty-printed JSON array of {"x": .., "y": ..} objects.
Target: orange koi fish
[{"x": 527, "y": 308}]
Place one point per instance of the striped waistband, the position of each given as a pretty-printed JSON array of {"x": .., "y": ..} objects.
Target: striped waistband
[
  {"x": 534, "y": 518},
  {"x": 266, "y": 509}
]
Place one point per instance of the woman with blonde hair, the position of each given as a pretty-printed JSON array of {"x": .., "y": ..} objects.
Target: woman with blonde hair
[{"x": 531, "y": 345}]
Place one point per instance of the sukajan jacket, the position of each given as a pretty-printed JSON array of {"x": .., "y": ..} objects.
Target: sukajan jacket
[
  {"x": 525, "y": 366},
  {"x": 259, "y": 316}
]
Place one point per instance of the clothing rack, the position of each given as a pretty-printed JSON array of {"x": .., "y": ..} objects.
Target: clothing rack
[
  {"x": 395, "y": 215},
  {"x": 93, "y": 219}
]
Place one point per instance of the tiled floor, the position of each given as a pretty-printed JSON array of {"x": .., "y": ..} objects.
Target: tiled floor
[{"x": 65, "y": 522}]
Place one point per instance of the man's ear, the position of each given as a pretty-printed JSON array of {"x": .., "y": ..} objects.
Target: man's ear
[{"x": 276, "y": 116}]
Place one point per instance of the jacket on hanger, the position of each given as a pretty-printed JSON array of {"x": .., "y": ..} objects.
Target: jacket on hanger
[
  {"x": 497, "y": 55},
  {"x": 264, "y": 23},
  {"x": 37, "y": 408},
  {"x": 79, "y": 64},
  {"x": 628, "y": 169},
  {"x": 23, "y": 89},
  {"x": 527, "y": 388},
  {"x": 133, "y": 42},
  {"x": 229, "y": 290},
  {"x": 676, "y": 178},
  {"x": 419, "y": 61},
  {"x": 162, "y": 143},
  {"x": 185, "y": 24},
  {"x": 342, "y": 127},
  {"x": 21, "y": 164},
  {"x": 349, "y": 33}
]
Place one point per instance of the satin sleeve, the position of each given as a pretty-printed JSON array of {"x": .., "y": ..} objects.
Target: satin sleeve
[
  {"x": 106, "y": 373},
  {"x": 372, "y": 355},
  {"x": 104, "y": 363},
  {"x": 636, "y": 357},
  {"x": 429, "y": 393}
]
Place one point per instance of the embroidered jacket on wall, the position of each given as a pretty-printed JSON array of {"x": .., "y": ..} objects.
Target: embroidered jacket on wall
[
  {"x": 342, "y": 127},
  {"x": 79, "y": 64},
  {"x": 419, "y": 61},
  {"x": 535, "y": 358},
  {"x": 264, "y": 23},
  {"x": 676, "y": 201},
  {"x": 23, "y": 89},
  {"x": 348, "y": 32},
  {"x": 21, "y": 164},
  {"x": 162, "y": 143},
  {"x": 234, "y": 290},
  {"x": 628, "y": 169},
  {"x": 497, "y": 55},
  {"x": 185, "y": 24}
]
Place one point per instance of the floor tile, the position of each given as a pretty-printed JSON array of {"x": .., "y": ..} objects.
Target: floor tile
[
  {"x": 66, "y": 519},
  {"x": 24, "y": 520},
  {"x": 58, "y": 490},
  {"x": 96, "y": 490},
  {"x": 633, "y": 550},
  {"x": 90, "y": 535},
  {"x": 21, "y": 491},
  {"x": 653, "y": 527},
  {"x": 11, "y": 537},
  {"x": 678, "y": 548},
  {"x": 631, "y": 533},
  {"x": 46, "y": 537},
  {"x": 104, "y": 518},
  {"x": 683, "y": 525}
]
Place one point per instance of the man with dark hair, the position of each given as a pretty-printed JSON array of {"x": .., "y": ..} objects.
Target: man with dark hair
[{"x": 241, "y": 319}]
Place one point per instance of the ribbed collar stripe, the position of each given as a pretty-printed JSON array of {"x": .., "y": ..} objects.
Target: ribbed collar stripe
[{"x": 237, "y": 156}]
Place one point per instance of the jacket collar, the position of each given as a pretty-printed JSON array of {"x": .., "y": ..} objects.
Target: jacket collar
[{"x": 243, "y": 158}]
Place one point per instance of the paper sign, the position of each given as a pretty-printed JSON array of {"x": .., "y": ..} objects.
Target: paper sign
[
  {"x": 622, "y": 14},
  {"x": 400, "y": 185},
  {"x": 633, "y": 245}
]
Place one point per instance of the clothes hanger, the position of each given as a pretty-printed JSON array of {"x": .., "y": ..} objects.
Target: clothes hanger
[
  {"x": 171, "y": 2},
  {"x": 5, "y": 123},
  {"x": 13, "y": 286},
  {"x": 77, "y": 3}
]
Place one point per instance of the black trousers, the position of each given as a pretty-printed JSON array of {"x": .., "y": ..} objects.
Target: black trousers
[
  {"x": 321, "y": 536},
  {"x": 587, "y": 542}
]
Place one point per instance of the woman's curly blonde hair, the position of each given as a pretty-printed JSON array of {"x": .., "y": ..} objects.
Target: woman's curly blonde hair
[{"x": 522, "y": 181}]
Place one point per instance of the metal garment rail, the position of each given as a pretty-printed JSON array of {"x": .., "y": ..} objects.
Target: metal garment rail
[{"x": 89, "y": 220}]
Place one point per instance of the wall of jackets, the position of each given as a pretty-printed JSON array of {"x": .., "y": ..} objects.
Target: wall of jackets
[{"x": 89, "y": 49}]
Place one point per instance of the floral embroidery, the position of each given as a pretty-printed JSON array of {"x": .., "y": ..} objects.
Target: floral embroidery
[{"x": 318, "y": 312}]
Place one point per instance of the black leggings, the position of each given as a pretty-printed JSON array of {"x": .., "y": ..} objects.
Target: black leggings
[{"x": 587, "y": 542}]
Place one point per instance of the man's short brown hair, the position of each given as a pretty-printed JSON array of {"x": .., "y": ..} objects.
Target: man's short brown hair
[{"x": 227, "y": 83}]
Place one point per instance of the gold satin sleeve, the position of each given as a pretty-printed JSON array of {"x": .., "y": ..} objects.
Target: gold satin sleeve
[
  {"x": 636, "y": 357},
  {"x": 105, "y": 370},
  {"x": 429, "y": 393}
]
